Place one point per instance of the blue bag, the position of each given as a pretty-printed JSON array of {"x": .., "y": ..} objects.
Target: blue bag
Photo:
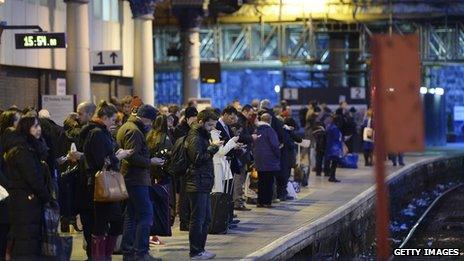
[{"x": 349, "y": 161}]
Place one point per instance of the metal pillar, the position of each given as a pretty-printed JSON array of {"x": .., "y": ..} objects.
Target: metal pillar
[
  {"x": 337, "y": 60},
  {"x": 354, "y": 76},
  {"x": 77, "y": 51},
  {"x": 190, "y": 20}
]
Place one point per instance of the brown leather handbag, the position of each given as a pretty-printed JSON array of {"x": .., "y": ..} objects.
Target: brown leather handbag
[{"x": 109, "y": 186}]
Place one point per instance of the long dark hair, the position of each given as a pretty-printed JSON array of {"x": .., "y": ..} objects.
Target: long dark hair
[
  {"x": 158, "y": 132},
  {"x": 7, "y": 119},
  {"x": 25, "y": 124}
]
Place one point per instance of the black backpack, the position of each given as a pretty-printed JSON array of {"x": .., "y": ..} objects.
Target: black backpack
[{"x": 178, "y": 162}]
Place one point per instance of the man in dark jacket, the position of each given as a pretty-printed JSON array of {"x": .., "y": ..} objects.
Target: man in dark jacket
[
  {"x": 136, "y": 171},
  {"x": 199, "y": 181},
  {"x": 181, "y": 130},
  {"x": 267, "y": 160}
]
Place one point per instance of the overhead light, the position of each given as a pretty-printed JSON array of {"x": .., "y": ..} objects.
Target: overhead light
[
  {"x": 432, "y": 90},
  {"x": 277, "y": 88},
  {"x": 423, "y": 90},
  {"x": 211, "y": 80},
  {"x": 439, "y": 91}
]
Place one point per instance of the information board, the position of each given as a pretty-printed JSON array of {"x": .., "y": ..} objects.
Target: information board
[{"x": 59, "y": 106}]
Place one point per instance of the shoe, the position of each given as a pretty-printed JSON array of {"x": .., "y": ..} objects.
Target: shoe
[
  {"x": 334, "y": 180},
  {"x": 318, "y": 174},
  {"x": 154, "y": 240},
  {"x": 401, "y": 164},
  {"x": 290, "y": 198},
  {"x": 260, "y": 205},
  {"x": 326, "y": 175},
  {"x": 235, "y": 221},
  {"x": 276, "y": 200},
  {"x": 251, "y": 201},
  {"x": 242, "y": 208},
  {"x": 394, "y": 164},
  {"x": 235, "y": 216},
  {"x": 147, "y": 257},
  {"x": 232, "y": 226},
  {"x": 205, "y": 255},
  {"x": 268, "y": 206}
]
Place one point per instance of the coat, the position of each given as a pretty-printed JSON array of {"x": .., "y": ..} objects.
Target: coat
[
  {"x": 181, "y": 130},
  {"x": 334, "y": 148},
  {"x": 233, "y": 155},
  {"x": 98, "y": 146},
  {"x": 266, "y": 149},
  {"x": 29, "y": 192},
  {"x": 222, "y": 171},
  {"x": 135, "y": 168},
  {"x": 200, "y": 152}
]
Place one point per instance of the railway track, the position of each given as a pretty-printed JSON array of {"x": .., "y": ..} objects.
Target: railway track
[{"x": 441, "y": 226}]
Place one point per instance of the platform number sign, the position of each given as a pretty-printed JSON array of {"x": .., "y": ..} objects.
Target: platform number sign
[
  {"x": 40, "y": 40},
  {"x": 107, "y": 60}
]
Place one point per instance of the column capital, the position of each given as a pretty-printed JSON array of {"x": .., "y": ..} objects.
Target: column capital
[
  {"x": 143, "y": 9},
  {"x": 189, "y": 17},
  {"x": 77, "y": 1}
]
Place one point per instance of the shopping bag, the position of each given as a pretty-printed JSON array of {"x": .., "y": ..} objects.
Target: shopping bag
[{"x": 349, "y": 161}]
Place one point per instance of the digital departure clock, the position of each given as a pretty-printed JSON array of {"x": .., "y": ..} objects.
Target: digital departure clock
[{"x": 40, "y": 40}]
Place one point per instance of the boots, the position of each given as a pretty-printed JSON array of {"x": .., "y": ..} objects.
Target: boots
[
  {"x": 98, "y": 248},
  {"x": 110, "y": 245}
]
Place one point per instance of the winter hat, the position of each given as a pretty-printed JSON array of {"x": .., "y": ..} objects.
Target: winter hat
[
  {"x": 190, "y": 112},
  {"x": 147, "y": 111}
]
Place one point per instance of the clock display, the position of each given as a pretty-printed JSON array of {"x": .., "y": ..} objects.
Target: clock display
[{"x": 40, "y": 40}]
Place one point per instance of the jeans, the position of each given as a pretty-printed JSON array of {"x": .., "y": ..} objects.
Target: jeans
[
  {"x": 107, "y": 219},
  {"x": 183, "y": 206},
  {"x": 137, "y": 222},
  {"x": 397, "y": 158},
  {"x": 239, "y": 189},
  {"x": 200, "y": 218}
]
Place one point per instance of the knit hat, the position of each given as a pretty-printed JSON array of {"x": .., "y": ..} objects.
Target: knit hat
[
  {"x": 147, "y": 111},
  {"x": 190, "y": 112}
]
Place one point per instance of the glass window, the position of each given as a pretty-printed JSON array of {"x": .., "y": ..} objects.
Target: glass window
[{"x": 106, "y": 10}]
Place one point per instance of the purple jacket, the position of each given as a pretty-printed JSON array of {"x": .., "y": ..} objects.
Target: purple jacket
[{"x": 266, "y": 149}]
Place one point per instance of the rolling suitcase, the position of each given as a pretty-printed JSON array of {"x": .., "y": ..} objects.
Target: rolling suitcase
[{"x": 220, "y": 212}]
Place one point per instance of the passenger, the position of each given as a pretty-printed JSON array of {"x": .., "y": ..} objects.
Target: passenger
[
  {"x": 182, "y": 204},
  {"x": 397, "y": 158},
  {"x": 199, "y": 182},
  {"x": 8, "y": 122},
  {"x": 334, "y": 148},
  {"x": 267, "y": 160},
  {"x": 99, "y": 151},
  {"x": 84, "y": 206},
  {"x": 28, "y": 189},
  {"x": 160, "y": 146},
  {"x": 126, "y": 108},
  {"x": 368, "y": 140},
  {"x": 136, "y": 170}
]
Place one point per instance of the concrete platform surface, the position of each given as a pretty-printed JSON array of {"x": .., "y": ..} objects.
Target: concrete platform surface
[{"x": 260, "y": 227}]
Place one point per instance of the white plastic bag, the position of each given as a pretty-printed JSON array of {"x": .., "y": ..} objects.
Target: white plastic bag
[
  {"x": 291, "y": 190},
  {"x": 3, "y": 193}
]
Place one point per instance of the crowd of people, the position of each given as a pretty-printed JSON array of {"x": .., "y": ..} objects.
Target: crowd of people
[{"x": 43, "y": 163}]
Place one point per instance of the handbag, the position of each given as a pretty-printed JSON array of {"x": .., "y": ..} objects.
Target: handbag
[
  {"x": 50, "y": 237},
  {"x": 109, "y": 186},
  {"x": 368, "y": 132}
]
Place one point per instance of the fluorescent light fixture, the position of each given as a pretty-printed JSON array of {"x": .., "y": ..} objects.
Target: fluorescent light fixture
[
  {"x": 432, "y": 90},
  {"x": 277, "y": 88},
  {"x": 439, "y": 91},
  {"x": 423, "y": 90}
]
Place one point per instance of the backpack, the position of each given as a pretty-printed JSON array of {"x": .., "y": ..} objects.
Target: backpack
[
  {"x": 319, "y": 135},
  {"x": 178, "y": 162}
]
